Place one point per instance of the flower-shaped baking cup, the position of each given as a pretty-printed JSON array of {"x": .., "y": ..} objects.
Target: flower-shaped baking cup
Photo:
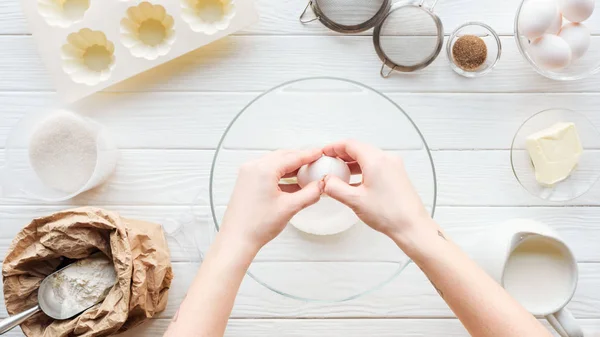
[
  {"x": 63, "y": 13},
  {"x": 148, "y": 31},
  {"x": 208, "y": 16},
  {"x": 88, "y": 57}
]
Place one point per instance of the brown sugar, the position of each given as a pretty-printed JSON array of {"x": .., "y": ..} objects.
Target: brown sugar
[{"x": 469, "y": 52}]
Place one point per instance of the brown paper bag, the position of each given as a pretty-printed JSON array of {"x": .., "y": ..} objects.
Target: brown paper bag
[{"x": 139, "y": 252}]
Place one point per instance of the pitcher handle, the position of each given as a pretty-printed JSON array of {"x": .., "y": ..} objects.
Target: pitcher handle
[{"x": 565, "y": 324}]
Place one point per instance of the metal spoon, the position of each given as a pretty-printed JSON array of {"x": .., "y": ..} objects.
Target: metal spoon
[{"x": 48, "y": 303}]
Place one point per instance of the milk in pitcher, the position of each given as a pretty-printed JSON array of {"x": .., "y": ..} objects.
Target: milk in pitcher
[{"x": 539, "y": 274}]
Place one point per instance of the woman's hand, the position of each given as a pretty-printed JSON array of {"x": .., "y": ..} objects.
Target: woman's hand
[
  {"x": 260, "y": 207},
  {"x": 386, "y": 199}
]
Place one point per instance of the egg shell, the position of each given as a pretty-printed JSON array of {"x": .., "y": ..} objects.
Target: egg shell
[
  {"x": 578, "y": 37},
  {"x": 324, "y": 166},
  {"x": 556, "y": 25},
  {"x": 577, "y": 10},
  {"x": 551, "y": 52},
  {"x": 536, "y": 17}
]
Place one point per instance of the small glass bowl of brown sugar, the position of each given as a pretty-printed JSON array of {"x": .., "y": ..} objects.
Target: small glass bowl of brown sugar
[{"x": 474, "y": 49}]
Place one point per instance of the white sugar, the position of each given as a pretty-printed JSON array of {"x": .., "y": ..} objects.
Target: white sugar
[{"x": 62, "y": 152}]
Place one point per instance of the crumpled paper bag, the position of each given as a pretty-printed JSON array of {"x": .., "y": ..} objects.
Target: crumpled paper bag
[{"x": 138, "y": 249}]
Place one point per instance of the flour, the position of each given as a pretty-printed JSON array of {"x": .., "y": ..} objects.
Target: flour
[
  {"x": 62, "y": 152},
  {"x": 83, "y": 284}
]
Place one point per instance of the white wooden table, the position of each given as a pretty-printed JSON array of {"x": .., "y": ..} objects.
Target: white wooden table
[{"x": 169, "y": 120}]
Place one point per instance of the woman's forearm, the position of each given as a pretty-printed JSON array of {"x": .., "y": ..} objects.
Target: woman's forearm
[
  {"x": 481, "y": 304},
  {"x": 258, "y": 211},
  {"x": 208, "y": 304}
]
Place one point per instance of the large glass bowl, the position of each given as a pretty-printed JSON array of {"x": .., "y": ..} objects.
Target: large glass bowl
[
  {"x": 584, "y": 67},
  {"x": 314, "y": 112}
]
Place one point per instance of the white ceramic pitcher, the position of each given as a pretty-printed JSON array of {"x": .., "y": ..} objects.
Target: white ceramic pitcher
[{"x": 497, "y": 246}]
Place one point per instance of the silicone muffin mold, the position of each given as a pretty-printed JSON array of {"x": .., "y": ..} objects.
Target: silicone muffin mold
[
  {"x": 148, "y": 31},
  {"x": 88, "y": 57},
  {"x": 208, "y": 16},
  {"x": 89, "y": 45},
  {"x": 63, "y": 13}
]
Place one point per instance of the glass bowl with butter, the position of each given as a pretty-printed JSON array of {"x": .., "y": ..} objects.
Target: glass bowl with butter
[{"x": 555, "y": 155}]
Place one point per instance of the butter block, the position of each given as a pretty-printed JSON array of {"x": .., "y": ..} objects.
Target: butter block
[{"x": 554, "y": 152}]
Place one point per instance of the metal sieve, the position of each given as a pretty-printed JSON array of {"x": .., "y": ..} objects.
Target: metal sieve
[
  {"x": 409, "y": 38},
  {"x": 347, "y": 16}
]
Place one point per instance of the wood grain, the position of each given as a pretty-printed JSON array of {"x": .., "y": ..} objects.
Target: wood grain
[
  {"x": 168, "y": 177},
  {"x": 348, "y": 328},
  {"x": 408, "y": 296},
  {"x": 578, "y": 226},
  {"x": 147, "y": 120},
  {"x": 180, "y": 177},
  {"x": 464, "y": 178},
  {"x": 168, "y": 122},
  {"x": 281, "y": 17},
  {"x": 258, "y": 63},
  {"x": 334, "y": 328}
]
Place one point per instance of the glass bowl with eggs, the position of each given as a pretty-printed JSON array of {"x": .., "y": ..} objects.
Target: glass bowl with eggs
[
  {"x": 325, "y": 254},
  {"x": 557, "y": 37}
]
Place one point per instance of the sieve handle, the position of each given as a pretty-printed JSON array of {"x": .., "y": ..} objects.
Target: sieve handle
[
  {"x": 432, "y": 5},
  {"x": 384, "y": 74},
  {"x": 302, "y": 19}
]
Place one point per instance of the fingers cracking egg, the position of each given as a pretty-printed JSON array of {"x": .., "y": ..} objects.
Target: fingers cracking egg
[{"x": 324, "y": 166}]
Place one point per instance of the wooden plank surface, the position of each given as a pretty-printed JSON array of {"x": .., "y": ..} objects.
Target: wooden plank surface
[
  {"x": 281, "y": 17},
  {"x": 347, "y": 328},
  {"x": 168, "y": 123},
  {"x": 483, "y": 121},
  {"x": 179, "y": 177},
  {"x": 258, "y": 63},
  {"x": 336, "y": 328},
  {"x": 577, "y": 225},
  {"x": 408, "y": 296}
]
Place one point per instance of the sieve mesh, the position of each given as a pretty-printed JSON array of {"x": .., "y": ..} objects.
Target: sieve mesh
[
  {"x": 410, "y": 38},
  {"x": 350, "y": 12}
]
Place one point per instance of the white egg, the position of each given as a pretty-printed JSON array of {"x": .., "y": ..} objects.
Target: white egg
[
  {"x": 536, "y": 17},
  {"x": 322, "y": 167},
  {"x": 578, "y": 37},
  {"x": 551, "y": 52},
  {"x": 556, "y": 24},
  {"x": 577, "y": 10}
]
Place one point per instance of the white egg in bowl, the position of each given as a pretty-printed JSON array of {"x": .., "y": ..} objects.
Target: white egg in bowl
[
  {"x": 578, "y": 37},
  {"x": 577, "y": 10},
  {"x": 537, "y": 17},
  {"x": 551, "y": 52},
  {"x": 532, "y": 16}
]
